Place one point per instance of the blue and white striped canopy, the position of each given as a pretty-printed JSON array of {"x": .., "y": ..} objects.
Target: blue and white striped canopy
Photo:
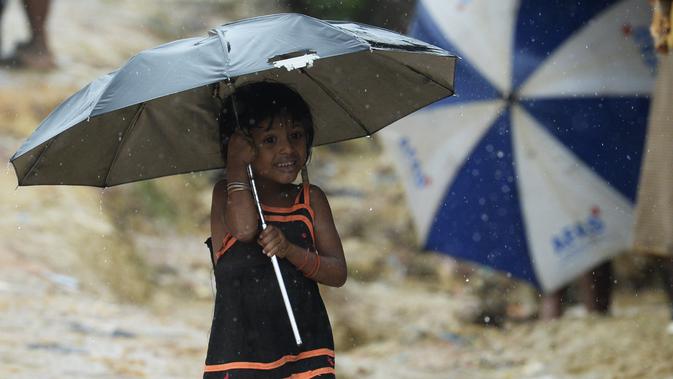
[{"x": 532, "y": 168}]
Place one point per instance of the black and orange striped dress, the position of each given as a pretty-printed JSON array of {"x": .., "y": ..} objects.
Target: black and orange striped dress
[{"x": 251, "y": 335}]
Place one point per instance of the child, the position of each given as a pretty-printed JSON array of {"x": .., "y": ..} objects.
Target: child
[{"x": 251, "y": 335}]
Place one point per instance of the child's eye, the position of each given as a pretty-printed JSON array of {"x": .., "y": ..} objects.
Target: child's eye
[
  {"x": 297, "y": 135},
  {"x": 269, "y": 139}
]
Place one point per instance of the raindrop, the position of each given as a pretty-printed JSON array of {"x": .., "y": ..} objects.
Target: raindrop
[
  {"x": 487, "y": 319},
  {"x": 500, "y": 154},
  {"x": 366, "y": 106},
  {"x": 18, "y": 228},
  {"x": 467, "y": 280},
  {"x": 371, "y": 209}
]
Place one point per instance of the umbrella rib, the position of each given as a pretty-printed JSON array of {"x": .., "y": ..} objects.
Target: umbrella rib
[
  {"x": 419, "y": 72},
  {"x": 341, "y": 104},
  {"x": 38, "y": 160},
  {"x": 128, "y": 130}
]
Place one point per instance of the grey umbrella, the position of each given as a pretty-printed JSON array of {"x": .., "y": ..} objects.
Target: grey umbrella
[{"x": 156, "y": 115}]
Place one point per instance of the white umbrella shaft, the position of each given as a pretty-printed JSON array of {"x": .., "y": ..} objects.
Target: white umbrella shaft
[{"x": 274, "y": 261}]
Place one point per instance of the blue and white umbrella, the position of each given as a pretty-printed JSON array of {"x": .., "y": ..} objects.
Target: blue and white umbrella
[{"x": 532, "y": 168}]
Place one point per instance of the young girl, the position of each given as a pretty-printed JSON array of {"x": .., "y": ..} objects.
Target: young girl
[{"x": 251, "y": 335}]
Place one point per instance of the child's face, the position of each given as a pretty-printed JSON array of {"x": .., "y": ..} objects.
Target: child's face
[{"x": 281, "y": 148}]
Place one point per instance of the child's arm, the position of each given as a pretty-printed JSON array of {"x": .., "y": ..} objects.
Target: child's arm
[
  {"x": 238, "y": 207},
  {"x": 218, "y": 229},
  {"x": 331, "y": 268}
]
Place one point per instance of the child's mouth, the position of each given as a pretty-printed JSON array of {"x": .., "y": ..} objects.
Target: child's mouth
[{"x": 286, "y": 165}]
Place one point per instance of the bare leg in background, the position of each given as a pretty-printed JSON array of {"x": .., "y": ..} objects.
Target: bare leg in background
[{"x": 597, "y": 288}]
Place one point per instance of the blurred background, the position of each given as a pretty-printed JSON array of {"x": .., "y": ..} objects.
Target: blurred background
[{"x": 116, "y": 283}]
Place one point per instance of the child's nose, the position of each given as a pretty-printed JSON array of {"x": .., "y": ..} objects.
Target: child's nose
[{"x": 285, "y": 145}]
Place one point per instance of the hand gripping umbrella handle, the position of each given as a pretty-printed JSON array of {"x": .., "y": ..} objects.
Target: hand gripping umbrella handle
[{"x": 274, "y": 261}]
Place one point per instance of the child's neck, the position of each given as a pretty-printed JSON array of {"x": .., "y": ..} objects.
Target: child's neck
[{"x": 275, "y": 194}]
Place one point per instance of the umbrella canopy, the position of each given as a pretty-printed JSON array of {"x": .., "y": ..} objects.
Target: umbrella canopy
[
  {"x": 534, "y": 171},
  {"x": 156, "y": 115}
]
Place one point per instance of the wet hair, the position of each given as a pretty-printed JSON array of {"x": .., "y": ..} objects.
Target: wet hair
[{"x": 257, "y": 102}]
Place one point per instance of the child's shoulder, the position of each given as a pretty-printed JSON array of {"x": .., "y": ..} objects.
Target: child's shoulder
[
  {"x": 317, "y": 195},
  {"x": 314, "y": 189}
]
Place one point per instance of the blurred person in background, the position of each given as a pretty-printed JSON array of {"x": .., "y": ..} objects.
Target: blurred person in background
[
  {"x": 33, "y": 53},
  {"x": 653, "y": 230},
  {"x": 2, "y": 11},
  {"x": 595, "y": 292}
]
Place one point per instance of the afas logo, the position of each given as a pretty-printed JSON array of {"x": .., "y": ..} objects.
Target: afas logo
[
  {"x": 419, "y": 178},
  {"x": 575, "y": 237}
]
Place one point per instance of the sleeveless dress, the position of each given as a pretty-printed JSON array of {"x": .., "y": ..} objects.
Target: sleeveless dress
[{"x": 250, "y": 335}]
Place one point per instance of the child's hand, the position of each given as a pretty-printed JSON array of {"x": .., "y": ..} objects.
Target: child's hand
[
  {"x": 273, "y": 242},
  {"x": 240, "y": 150}
]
